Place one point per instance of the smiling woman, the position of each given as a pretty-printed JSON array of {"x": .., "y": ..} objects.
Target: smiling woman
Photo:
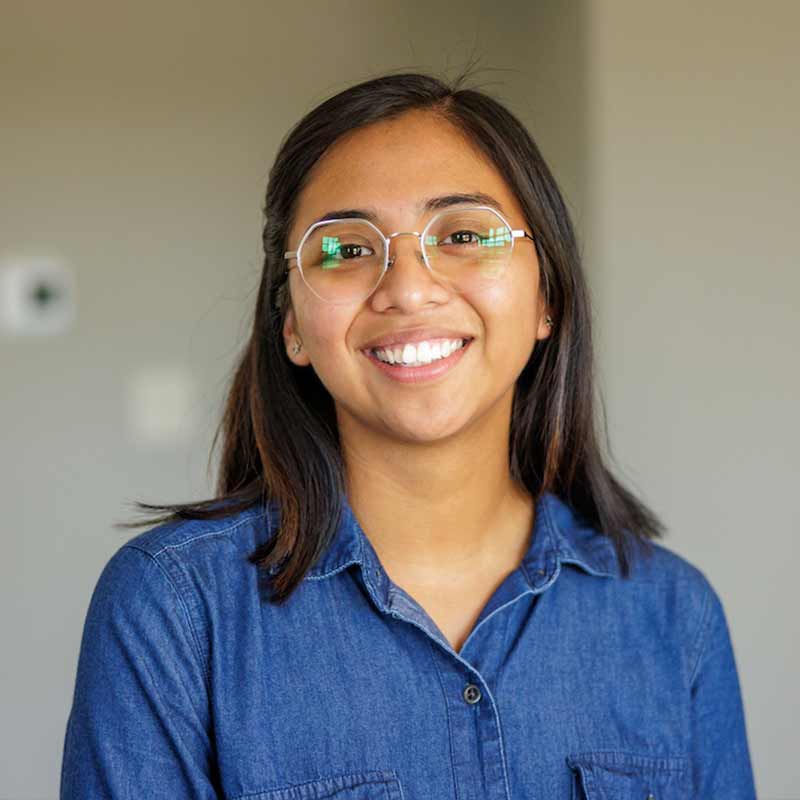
[{"x": 419, "y": 578}]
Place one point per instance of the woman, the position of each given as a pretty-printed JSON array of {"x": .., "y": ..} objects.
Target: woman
[{"x": 419, "y": 579}]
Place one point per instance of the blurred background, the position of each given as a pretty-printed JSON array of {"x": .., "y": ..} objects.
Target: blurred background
[{"x": 135, "y": 142}]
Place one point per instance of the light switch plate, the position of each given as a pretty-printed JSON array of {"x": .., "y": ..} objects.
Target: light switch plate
[{"x": 37, "y": 296}]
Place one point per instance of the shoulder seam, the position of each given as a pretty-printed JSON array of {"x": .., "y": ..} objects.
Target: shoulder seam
[
  {"x": 181, "y": 602},
  {"x": 207, "y": 534},
  {"x": 702, "y": 630}
]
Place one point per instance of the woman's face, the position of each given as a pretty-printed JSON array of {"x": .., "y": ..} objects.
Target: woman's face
[{"x": 392, "y": 167}]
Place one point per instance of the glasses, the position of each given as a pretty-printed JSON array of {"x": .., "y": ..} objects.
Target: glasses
[{"x": 342, "y": 261}]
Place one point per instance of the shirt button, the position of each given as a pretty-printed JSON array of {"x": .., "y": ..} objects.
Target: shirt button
[
  {"x": 650, "y": 796},
  {"x": 472, "y": 693}
]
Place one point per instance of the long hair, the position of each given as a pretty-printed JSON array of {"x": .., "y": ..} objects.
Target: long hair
[{"x": 280, "y": 437}]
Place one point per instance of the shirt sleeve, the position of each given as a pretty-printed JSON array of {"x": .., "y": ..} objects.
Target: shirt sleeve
[
  {"x": 139, "y": 722},
  {"x": 720, "y": 755}
]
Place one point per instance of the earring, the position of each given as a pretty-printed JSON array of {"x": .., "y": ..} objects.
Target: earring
[
  {"x": 297, "y": 347},
  {"x": 548, "y": 320}
]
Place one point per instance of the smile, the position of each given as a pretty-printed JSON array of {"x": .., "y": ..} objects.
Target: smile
[{"x": 421, "y": 363}]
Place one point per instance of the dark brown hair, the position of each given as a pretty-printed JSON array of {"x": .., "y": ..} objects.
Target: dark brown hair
[{"x": 281, "y": 442}]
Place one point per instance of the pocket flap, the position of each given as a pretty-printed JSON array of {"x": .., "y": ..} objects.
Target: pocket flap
[
  {"x": 611, "y": 775},
  {"x": 371, "y": 785}
]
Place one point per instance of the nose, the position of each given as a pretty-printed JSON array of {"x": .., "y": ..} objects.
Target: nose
[
  {"x": 405, "y": 285},
  {"x": 393, "y": 258}
]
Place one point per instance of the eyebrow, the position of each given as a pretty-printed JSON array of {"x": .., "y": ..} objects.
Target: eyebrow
[{"x": 431, "y": 204}]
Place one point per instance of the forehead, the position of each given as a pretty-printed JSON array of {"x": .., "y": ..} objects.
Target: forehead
[{"x": 393, "y": 166}]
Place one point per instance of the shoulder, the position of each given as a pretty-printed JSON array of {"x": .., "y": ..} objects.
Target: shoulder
[
  {"x": 204, "y": 560},
  {"x": 657, "y": 572},
  {"x": 679, "y": 595},
  {"x": 670, "y": 591},
  {"x": 661, "y": 562},
  {"x": 172, "y": 581},
  {"x": 193, "y": 538},
  {"x": 185, "y": 563},
  {"x": 659, "y": 565}
]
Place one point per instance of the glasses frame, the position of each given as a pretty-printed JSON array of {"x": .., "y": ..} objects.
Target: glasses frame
[{"x": 516, "y": 233}]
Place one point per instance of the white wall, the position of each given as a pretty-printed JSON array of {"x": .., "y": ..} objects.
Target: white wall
[{"x": 693, "y": 244}]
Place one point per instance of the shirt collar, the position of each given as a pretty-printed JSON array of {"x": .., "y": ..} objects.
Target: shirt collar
[{"x": 560, "y": 536}]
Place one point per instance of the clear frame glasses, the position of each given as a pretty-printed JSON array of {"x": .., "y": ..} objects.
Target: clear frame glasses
[{"x": 342, "y": 261}]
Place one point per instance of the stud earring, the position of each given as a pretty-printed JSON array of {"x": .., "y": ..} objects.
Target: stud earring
[
  {"x": 297, "y": 347},
  {"x": 548, "y": 321}
]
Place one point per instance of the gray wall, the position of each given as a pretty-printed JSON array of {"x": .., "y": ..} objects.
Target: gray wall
[
  {"x": 134, "y": 146},
  {"x": 692, "y": 181}
]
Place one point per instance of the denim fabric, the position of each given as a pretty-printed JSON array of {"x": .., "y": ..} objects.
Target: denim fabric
[{"x": 574, "y": 683}]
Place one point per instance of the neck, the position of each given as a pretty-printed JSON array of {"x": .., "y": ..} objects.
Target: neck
[{"x": 437, "y": 510}]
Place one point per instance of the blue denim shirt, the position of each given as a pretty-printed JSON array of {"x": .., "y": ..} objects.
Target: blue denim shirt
[{"x": 574, "y": 682}]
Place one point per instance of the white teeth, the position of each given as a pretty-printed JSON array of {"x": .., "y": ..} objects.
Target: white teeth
[{"x": 422, "y": 353}]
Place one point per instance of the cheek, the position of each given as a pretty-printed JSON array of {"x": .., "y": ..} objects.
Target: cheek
[
  {"x": 513, "y": 300},
  {"x": 311, "y": 314},
  {"x": 508, "y": 314},
  {"x": 324, "y": 328}
]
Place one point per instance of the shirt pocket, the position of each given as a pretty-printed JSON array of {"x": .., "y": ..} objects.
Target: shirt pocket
[
  {"x": 611, "y": 775},
  {"x": 370, "y": 785}
]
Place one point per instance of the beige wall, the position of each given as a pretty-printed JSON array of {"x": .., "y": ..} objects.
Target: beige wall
[
  {"x": 693, "y": 197},
  {"x": 135, "y": 143}
]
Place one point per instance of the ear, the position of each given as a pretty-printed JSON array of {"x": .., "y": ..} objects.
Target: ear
[
  {"x": 544, "y": 330},
  {"x": 291, "y": 336}
]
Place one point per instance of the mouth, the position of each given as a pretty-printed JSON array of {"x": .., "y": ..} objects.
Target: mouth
[{"x": 420, "y": 371}]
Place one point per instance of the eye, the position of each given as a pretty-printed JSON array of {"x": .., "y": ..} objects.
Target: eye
[
  {"x": 462, "y": 237},
  {"x": 350, "y": 251}
]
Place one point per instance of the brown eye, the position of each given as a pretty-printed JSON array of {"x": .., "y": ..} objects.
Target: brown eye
[
  {"x": 462, "y": 237},
  {"x": 354, "y": 250}
]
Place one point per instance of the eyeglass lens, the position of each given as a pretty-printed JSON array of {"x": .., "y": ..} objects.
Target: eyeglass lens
[{"x": 342, "y": 261}]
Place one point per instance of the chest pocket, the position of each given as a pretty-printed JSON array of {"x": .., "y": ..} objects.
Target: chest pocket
[
  {"x": 371, "y": 785},
  {"x": 609, "y": 775}
]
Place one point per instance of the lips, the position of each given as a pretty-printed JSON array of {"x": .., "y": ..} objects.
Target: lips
[
  {"x": 401, "y": 338},
  {"x": 422, "y": 374}
]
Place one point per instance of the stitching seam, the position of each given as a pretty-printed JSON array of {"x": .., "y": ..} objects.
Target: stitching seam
[
  {"x": 182, "y": 604},
  {"x": 701, "y": 637}
]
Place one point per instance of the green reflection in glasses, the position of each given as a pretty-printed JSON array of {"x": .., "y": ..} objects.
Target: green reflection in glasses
[
  {"x": 498, "y": 237},
  {"x": 330, "y": 248}
]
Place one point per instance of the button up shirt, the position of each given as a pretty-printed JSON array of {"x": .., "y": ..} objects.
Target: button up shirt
[{"x": 573, "y": 683}]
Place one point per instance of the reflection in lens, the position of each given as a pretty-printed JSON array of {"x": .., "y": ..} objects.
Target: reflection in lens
[
  {"x": 342, "y": 260},
  {"x": 468, "y": 246}
]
